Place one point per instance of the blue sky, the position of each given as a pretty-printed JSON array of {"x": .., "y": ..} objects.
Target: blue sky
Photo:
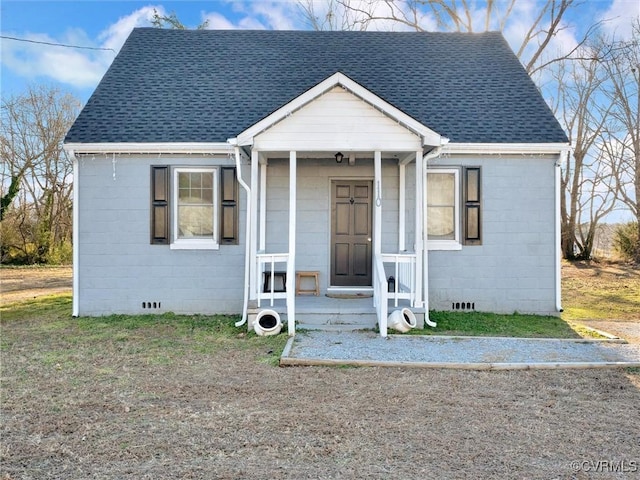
[{"x": 106, "y": 24}]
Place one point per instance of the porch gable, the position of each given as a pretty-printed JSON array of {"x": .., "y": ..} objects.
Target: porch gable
[{"x": 338, "y": 114}]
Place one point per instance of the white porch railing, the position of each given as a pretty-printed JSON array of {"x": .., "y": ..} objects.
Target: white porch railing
[
  {"x": 380, "y": 294},
  {"x": 404, "y": 268},
  {"x": 270, "y": 260}
]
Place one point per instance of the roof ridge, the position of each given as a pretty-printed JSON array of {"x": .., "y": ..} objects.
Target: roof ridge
[{"x": 321, "y": 32}]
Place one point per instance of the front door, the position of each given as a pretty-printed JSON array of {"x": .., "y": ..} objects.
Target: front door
[{"x": 351, "y": 233}]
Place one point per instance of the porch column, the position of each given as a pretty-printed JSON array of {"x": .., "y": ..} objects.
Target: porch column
[
  {"x": 263, "y": 205},
  {"x": 291, "y": 264},
  {"x": 420, "y": 248},
  {"x": 401, "y": 208},
  {"x": 377, "y": 191},
  {"x": 253, "y": 238}
]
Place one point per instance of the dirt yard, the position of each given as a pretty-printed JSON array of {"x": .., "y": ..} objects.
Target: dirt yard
[
  {"x": 19, "y": 284},
  {"x": 603, "y": 295},
  {"x": 155, "y": 403},
  {"x": 233, "y": 418},
  {"x": 114, "y": 400}
]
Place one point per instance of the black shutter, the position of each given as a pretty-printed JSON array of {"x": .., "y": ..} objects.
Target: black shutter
[
  {"x": 228, "y": 206},
  {"x": 159, "y": 205},
  {"x": 472, "y": 217}
]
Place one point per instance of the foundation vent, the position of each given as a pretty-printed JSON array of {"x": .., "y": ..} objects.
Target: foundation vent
[
  {"x": 150, "y": 305},
  {"x": 463, "y": 306}
]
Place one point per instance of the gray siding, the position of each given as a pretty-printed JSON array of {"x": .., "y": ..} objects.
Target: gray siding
[
  {"x": 119, "y": 269},
  {"x": 514, "y": 268}
]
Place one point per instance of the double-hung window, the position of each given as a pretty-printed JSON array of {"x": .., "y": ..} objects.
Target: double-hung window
[
  {"x": 195, "y": 205},
  {"x": 453, "y": 208},
  {"x": 443, "y": 209}
]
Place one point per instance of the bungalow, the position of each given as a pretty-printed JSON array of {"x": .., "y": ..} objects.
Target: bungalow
[{"x": 325, "y": 178}]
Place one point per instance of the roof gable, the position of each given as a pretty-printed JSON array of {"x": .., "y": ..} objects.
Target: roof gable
[
  {"x": 428, "y": 136},
  {"x": 336, "y": 120},
  {"x": 207, "y": 85}
]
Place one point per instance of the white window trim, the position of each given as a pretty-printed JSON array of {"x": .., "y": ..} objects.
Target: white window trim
[
  {"x": 454, "y": 244},
  {"x": 194, "y": 243}
]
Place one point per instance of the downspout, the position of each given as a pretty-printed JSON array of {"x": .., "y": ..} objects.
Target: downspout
[
  {"x": 558, "y": 228},
  {"x": 247, "y": 253},
  {"x": 433, "y": 153}
]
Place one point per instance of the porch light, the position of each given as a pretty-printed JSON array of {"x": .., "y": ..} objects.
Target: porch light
[{"x": 339, "y": 156}]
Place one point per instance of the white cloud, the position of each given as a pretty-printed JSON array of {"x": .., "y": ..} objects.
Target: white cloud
[
  {"x": 77, "y": 67},
  {"x": 218, "y": 21},
  {"x": 277, "y": 15},
  {"x": 116, "y": 34},
  {"x": 619, "y": 18},
  {"x": 256, "y": 16}
]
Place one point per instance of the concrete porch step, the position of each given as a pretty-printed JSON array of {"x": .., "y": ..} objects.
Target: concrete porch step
[
  {"x": 334, "y": 328},
  {"x": 336, "y": 321},
  {"x": 330, "y": 314}
]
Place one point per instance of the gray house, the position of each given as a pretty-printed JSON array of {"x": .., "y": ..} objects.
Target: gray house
[{"x": 329, "y": 177}]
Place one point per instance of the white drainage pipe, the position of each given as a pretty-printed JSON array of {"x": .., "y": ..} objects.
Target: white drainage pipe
[
  {"x": 267, "y": 322},
  {"x": 402, "y": 320}
]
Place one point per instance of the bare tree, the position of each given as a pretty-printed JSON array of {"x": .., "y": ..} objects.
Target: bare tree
[
  {"x": 621, "y": 139},
  {"x": 449, "y": 15},
  {"x": 172, "y": 21},
  {"x": 36, "y": 174},
  {"x": 588, "y": 185},
  {"x": 340, "y": 14}
]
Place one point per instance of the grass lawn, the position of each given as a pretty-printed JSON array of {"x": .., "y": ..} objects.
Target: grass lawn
[
  {"x": 495, "y": 325},
  {"x": 590, "y": 292},
  {"x": 181, "y": 333}
]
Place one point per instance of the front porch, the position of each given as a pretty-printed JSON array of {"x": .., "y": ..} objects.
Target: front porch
[
  {"x": 294, "y": 212},
  {"x": 337, "y": 186}
]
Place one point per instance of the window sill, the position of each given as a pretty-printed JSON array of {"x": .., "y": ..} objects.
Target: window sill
[
  {"x": 194, "y": 245},
  {"x": 444, "y": 245}
]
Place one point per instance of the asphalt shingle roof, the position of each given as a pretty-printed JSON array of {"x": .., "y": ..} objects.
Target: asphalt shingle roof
[{"x": 210, "y": 85}]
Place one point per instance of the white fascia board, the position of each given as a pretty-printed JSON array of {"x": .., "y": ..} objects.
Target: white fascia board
[
  {"x": 139, "y": 148},
  {"x": 506, "y": 148},
  {"x": 429, "y": 137}
]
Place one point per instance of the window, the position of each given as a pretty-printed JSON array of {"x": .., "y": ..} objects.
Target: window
[
  {"x": 201, "y": 209},
  {"x": 194, "y": 208},
  {"x": 443, "y": 209},
  {"x": 453, "y": 217}
]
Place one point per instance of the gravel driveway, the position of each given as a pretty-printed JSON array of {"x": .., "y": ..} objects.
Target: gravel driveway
[{"x": 368, "y": 348}]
